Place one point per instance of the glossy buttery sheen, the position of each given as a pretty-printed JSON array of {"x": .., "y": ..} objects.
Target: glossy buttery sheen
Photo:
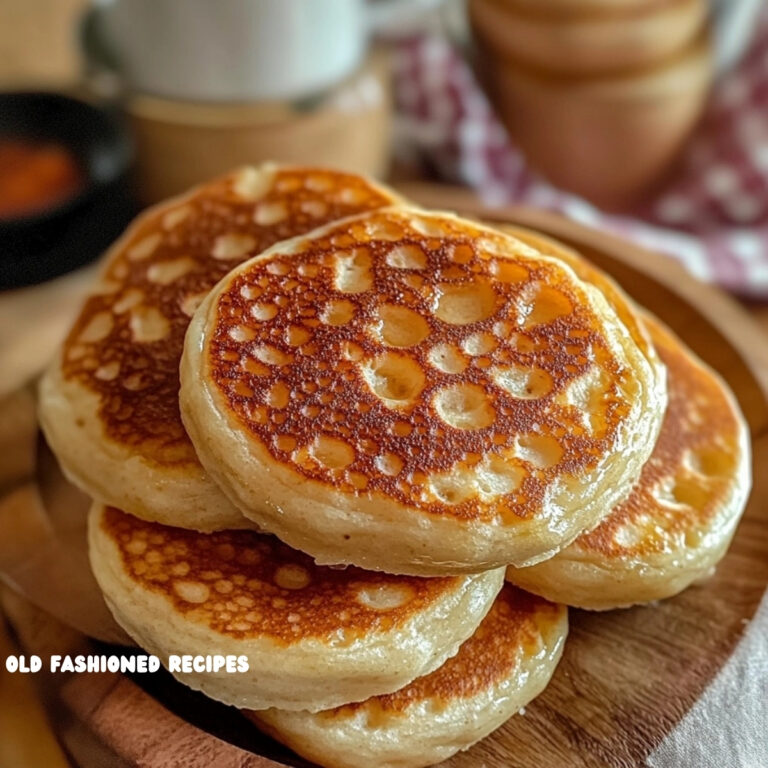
[
  {"x": 415, "y": 393},
  {"x": 109, "y": 403},
  {"x": 506, "y": 663},
  {"x": 315, "y": 637}
]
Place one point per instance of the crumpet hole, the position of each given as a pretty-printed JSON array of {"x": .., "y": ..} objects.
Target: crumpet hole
[
  {"x": 175, "y": 216},
  {"x": 331, "y": 452},
  {"x": 232, "y": 246},
  {"x": 710, "y": 461},
  {"x": 430, "y": 227},
  {"x": 497, "y": 477},
  {"x": 252, "y": 184},
  {"x": 628, "y": 536},
  {"x": 508, "y": 272},
  {"x": 542, "y": 304},
  {"x": 279, "y": 395},
  {"x": 292, "y": 577},
  {"x": 263, "y": 312},
  {"x": 165, "y": 272},
  {"x": 131, "y": 298},
  {"x": 317, "y": 182},
  {"x": 464, "y": 406},
  {"x": 296, "y": 335},
  {"x": 353, "y": 271},
  {"x": 389, "y": 464},
  {"x": 690, "y": 492},
  {"x": 338, "y": 312},
  {"x": 587, "y": 394},
  {"x": 268, "y": 214},
  {"x": 542, "y": 451},
  {"x": 108, "y": 371},
  {"x": 385, "y": 597},
  {"x": 407, "y": 257},
  {"x": 400, "y": 326},
  {"x": 144, "y": 248},
  {"x": 468, "y": 303},
  {"x": 314, "y": 208},
  {"x": 271, "y": 355},
  {"x": 479, "y": 344},
  {"x": 254, "y": 367},
  {"x": 98, "y": 328},
  {"x": 447, "y": 358},
  {"x": 383, "y": 229},
  {"x": 148, "y": 324},
  {"x": 242, "y": 333},
  {"x": 192, "y": 591},
  {"x": 450, "y": 489},
  {"x": 394, "y": 378},
  {"x": 523, "y": 383}
]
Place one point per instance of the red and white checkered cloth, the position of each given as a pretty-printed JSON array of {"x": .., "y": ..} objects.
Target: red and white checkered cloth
[{"x": 713, "y": 216}]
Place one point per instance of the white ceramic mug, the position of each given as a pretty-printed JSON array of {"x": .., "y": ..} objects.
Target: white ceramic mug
[{"x": 237, "y": 50}]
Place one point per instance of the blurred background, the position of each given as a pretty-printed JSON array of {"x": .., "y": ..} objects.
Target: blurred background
[
  {"x": 644, "y": 117},
  {"x": 647, "y": 118}
]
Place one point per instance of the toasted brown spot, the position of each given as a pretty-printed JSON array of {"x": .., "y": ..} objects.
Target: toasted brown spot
[{"x": 244, "y": 584}]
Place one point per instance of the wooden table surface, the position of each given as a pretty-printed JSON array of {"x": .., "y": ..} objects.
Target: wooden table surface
[{"x": 32, "y": 322}]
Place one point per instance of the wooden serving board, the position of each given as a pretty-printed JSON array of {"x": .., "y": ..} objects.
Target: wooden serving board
[{"x": 626, "y": 678}]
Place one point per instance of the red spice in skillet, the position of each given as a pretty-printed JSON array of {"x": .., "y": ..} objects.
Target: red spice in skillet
[{"x": 35, "y": 176}]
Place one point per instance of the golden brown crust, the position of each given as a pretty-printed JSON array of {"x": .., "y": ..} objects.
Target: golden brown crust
[
  {"x": 622, "y": 305},
  {"x": 678, "y": 520},
  {"x": 516, "y": 625},
  {"x": 247, "y": 585},
  {"x": 126, "y": 343},
  {"x": 692, "y": 469},
  {"x": 500, "y": 669},
  {"x": 291, "y": 349}
]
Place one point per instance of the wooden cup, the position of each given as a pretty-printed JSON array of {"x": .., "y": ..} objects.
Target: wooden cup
[
  {"x": 591, "y": 43},
  {"x": 180, "y": 144},
  {"x": 607, "y": 139}
]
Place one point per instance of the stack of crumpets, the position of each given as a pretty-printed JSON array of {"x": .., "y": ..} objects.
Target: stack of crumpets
[{"x": 337, "y": 436}]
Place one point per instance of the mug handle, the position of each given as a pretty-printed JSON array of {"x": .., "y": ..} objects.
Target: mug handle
[
  {"x": 102, "y": 69},
  {"x": 397, "y": 17},
  {"x": 734, "y": 25}
]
